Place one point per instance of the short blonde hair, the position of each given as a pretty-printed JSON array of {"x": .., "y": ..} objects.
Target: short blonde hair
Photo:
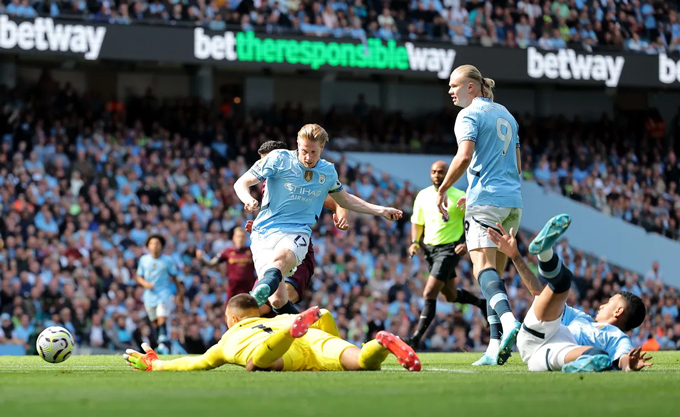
[
  {"x": 313, "y": 133},
  {"x": 471, "y": 72}
]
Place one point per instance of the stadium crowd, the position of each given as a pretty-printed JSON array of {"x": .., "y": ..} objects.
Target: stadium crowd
[
  {"x": 84, "y": 182},
  {"x": 647, "y": 26}
]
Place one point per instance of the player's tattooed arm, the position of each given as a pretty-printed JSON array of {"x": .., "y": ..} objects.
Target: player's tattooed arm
[
  {"x": 354, "y": 203},
  {"x": 507, "y": 244}
]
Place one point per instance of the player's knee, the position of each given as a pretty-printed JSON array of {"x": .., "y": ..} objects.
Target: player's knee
[{"x": 429, "y": 293}]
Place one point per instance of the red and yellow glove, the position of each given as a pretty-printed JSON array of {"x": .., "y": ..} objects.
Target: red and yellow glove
[{"x": 147, "y": 362}]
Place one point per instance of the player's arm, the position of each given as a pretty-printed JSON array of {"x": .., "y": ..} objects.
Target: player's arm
[
  {"x": 459, "y": 164},
  {"x": 242, "y": 189},
  {"x": 356, "y": 204},
  {"x": 149, "y": 361},
  {"x": 635, "y": 360},
  {"x": 339, "y": 213},
  {"x": 519, "y": 162},
  {"x": 507, "y": 244},
  {"x": 200, "y": 255},
  {"x": 326, "y": 323},
  {"x": 140, "y": 277}
]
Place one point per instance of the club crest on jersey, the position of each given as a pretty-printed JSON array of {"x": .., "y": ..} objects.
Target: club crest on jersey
[
  {"x": 153, "y": 266},
  {"x": 322, "y": 178},
  {"x": 309, "y": 175}
]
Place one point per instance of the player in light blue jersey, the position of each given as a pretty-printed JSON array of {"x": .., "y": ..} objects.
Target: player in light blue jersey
[
  {"x": 156, "y": 272},
  {"x": 297, "y": 185},
  {"x": 488, "y": 150},
  {"x": 557, "y": 337}
]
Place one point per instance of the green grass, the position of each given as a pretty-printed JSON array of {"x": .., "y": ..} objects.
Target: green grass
[{"x": 447, "y": 386}]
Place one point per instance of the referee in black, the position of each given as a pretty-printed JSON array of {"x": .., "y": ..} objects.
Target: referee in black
[{"x": 444, "y": 244}]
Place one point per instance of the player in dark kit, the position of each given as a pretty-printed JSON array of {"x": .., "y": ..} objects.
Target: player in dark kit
[
  {"x": 298, "y": 282},
  {"x": 240, "y": 266}
]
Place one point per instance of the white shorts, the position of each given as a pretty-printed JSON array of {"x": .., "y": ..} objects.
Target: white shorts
[
  {"x": 160, "y": 310},
  {"x": 264, "y": 250},
  {"x": 543, "y": 345},
  {"x": 479, "y": 218}
]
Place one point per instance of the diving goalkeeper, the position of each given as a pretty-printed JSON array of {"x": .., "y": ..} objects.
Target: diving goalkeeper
[{"x": 308, "y": 341}]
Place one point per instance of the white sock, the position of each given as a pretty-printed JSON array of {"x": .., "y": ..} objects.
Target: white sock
[
  {"x": 508, "y": 321},
  {"x": 546, "y": 255},
  {"x": 492, "y": 349}
]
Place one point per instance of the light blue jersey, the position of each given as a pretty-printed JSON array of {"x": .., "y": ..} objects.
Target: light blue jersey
[
  {"x": 493, "y": 177},
  {"x": 294, "y": 195},
  {"x": 157, "y": 271},
  {"x": 600, "y": 335}
]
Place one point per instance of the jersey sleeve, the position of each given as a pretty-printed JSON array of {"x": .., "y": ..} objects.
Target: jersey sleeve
[
  {"x": 418, "y": 217},
  {"x": 337, "y": 185},
  {"x": 619, "y": 347},
  {"x": 271, "y": 165},
  {"x": 140, "y": 268},
  {"x": 211, "y": 359},
  {"x": 571, "y": 314},
  {"x": 465, "y": 128}
]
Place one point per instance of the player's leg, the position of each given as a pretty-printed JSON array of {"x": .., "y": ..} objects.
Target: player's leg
[
  {"x": 432, "y": 288},
  {"x": 287, "y": 252},
  {"x": 372, "y": 354},
  {"x": 586, "y": 359},
  {"x": 478, "y": 219},
  {"x": 490, "y": 356},
  {"x": 292, "y": 293},
  {"x": 163, "y": 311},
  {"x": 550, "y": 303},
  {"x": 272, "y": 350}
]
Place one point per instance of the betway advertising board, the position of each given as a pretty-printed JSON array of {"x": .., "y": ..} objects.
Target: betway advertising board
[{"x": 160, "y": 43}]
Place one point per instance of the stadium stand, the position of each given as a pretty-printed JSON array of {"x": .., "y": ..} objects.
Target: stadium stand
[
  {"x": 645, "y": 26},
  {"x": 84, "y": 182}
]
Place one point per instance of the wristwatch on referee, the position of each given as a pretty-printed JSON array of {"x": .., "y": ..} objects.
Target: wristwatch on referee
[{"x": 415, "y": 242}]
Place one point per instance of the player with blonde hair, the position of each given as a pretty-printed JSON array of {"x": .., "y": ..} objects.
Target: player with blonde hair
[
  {"x": 309, "y": 341},
  {"x": 487, "y": 134},
  {"x": 297, "y": 185}
]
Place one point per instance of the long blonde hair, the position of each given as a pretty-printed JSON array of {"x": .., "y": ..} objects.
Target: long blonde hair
[
  {"x": 471, "y": 72},
  {"x": 313, "y": 133}
]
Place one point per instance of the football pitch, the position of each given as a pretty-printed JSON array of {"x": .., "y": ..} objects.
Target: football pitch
[{"x": 447, "y": 386}]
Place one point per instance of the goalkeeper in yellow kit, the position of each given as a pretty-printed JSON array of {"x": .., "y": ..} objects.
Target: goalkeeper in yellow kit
[{"x": 308, "y": 341}]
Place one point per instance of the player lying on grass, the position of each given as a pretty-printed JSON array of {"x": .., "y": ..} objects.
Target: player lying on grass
[
  {"x": 557, "y": 337},
  {"x": 308, "y": 341}
]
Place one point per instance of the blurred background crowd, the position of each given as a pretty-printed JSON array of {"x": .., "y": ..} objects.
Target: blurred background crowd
[
  {"x": 84, "y": 182},
  {"x": 645, "y": 26}
]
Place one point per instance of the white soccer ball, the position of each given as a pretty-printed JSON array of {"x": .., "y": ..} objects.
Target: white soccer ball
[{"x": 55, "y": 344}]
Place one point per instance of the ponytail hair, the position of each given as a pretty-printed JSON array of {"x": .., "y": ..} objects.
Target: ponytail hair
[
  {"x": 471, "y": 72},
  {"x": 488, "y": 85}
]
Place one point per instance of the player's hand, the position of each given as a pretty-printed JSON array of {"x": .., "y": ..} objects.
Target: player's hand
[
  {"x": 148, "y": 285},
  {"x": 637, "y": 359},
  {"x": 443, "y": 206},
  {"x": 506, "y": 242},
  {"x": 251, "y": 205},
  {"x": 199, "y": 254},
  {"x": 392, "y": 214},
  {"x": 249, "y": 226},
  {"x": 413, "y": 249},
  {"x": 461, "y": 249},
  {"x": 141, "y": 362},
  {"x": 461, "y": 203},
  {"x": 340, "y": 222}
]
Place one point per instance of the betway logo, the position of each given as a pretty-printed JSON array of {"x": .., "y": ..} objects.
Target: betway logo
[
  {"x": 567, "y": 65},
  {"x": 315, "y": 54},
  {"x": 43, "y": 35},
  {"x": 669, "y": 70}
]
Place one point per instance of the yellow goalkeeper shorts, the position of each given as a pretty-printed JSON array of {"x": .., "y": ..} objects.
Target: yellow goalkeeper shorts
[{"x": 315, "y": 351}]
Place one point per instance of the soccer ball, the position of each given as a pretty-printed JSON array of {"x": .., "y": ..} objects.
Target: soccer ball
[{"x": 55, "y": 344}]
